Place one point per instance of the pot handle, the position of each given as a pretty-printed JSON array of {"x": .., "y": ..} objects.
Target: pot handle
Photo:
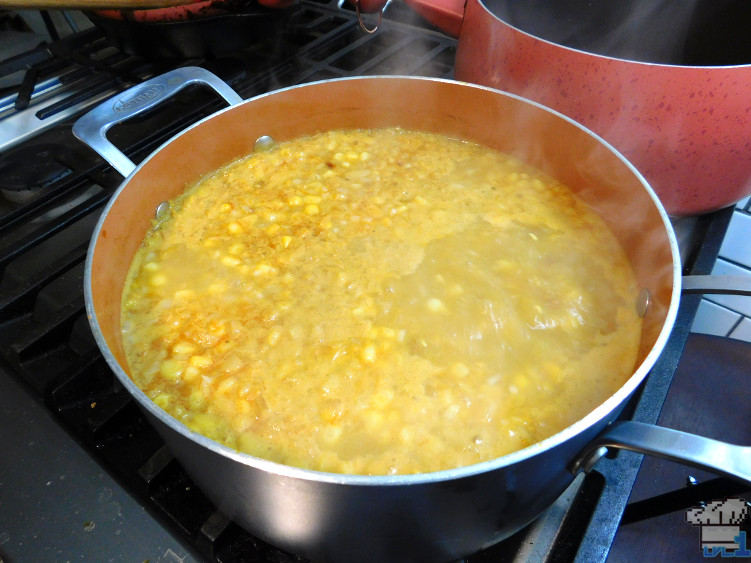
[
  {"x": 446, "y": 15},
  {"x": 705, "y": 453},
  {"x": 92, "y": 127},
  {"x": 719, "y": 285}
]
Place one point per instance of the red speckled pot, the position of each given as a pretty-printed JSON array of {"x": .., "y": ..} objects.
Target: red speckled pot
[{"x": 686, "y": 128}]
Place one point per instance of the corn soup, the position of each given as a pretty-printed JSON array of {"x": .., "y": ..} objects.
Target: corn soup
[{"x": 379, "y": 302}]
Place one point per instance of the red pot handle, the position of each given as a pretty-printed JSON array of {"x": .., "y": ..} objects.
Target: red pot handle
[
  {"x": 189, "y": 9},
  {"x": 276, "y": 3},
  {"x": 446, "y": 15}
]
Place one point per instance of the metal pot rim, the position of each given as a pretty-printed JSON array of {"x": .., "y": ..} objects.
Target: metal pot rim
[{"x": 598, "y": 414}]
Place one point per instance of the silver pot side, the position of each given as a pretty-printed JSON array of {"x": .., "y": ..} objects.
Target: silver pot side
[
  {"x": 435, "y": 516},
  {"x": 440, "y": 517}
]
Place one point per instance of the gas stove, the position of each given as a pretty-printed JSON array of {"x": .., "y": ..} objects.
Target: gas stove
[{"x": 84, "y": 475}]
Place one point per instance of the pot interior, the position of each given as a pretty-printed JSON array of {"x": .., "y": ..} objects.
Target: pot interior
[
  {"x": 675, "y": 33},
  {"x": 509, "y": 124}
]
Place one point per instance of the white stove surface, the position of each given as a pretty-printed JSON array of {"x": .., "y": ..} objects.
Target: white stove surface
[{"x": 730, "y": 315}]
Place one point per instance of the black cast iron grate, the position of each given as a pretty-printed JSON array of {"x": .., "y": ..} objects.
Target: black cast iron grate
[{"x": 45, "y": 339}]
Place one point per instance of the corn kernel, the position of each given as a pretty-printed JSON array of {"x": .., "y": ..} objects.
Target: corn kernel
[
  {"x": 493, "y": 379},
  {"x": 248, "y": 220},
  {"x": 225, "y": 385},
  {"x": 451, "y": 412},
  {"x": 435, "y": 305},
  {"x": 162, "y": 400},
  {"x": 204, "y": 423},
  {"x": 263, "y": 269},
  {"x": 330, "y": 434},
  {"x": 197, "y": 400},
  {"x": 311, "y": 209},
  {"x": 183, "y": 348},
  {"x": 286, "y": 240},
  {"x": 273, "y": 229},
  {"x": 521, "y": 381},
  {"x": 191, "y": 373},
  {"x": 388, "y": 332},
  {"x": 236, "y": 249},
  {"x": 504, "y": 266},
  {"x": 230, "y": 261},
  {"x": 459, "y": 370},
  {"x": 217, "y": 287},
  {"x": 406, "y": 435},
  {"x": 151, "y": 266},
  {"x": 200, "y": 361},
  {"x": 554, "y": 371},
  {"x": 184, "y": 294},
  {"x": 235, "y": 228},
  {"x": 217, "y": 328},
  {"x": 295, "y": 201},
  {"x": 241, "y": 423},
  {"x": 242, "y": 406},
  {"x": 373, "y": 419},
  {"x": 158, "y": 280},
  {"x": 226, "y": 207},
  {"x": 382, "y": 398},
  {"x": 171, "y": 369},
  {"x": 455, "y": 290},
  {"x": 312, "y": 199},
  {"x": 368, "y": 354},
  {"x": 273, "y": 336}
]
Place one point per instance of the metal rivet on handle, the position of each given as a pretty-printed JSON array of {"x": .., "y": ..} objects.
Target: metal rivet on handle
[
  {"x": 642, "y": 302},
  {"x": 163, "y": 211},
  {"x": 587, "y": 464},
  {"x": 263, "y": 143}
]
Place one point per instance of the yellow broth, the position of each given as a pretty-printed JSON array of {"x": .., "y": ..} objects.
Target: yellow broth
[{"x": 379, "y": 302}]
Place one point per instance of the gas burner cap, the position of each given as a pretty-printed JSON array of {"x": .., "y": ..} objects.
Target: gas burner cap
[{"x": 26, "y": 171}]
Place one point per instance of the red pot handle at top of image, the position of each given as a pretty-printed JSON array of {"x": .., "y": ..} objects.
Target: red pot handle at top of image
[
  {"x": 446, "y": 15},
  {"x": 171, "y": 10}
]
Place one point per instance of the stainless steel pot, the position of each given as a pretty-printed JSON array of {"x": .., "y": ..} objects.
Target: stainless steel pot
[{"x": 435, "y": 516}]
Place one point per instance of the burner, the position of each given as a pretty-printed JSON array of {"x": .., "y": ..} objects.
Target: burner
[{"x": 27, "y": 171}]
